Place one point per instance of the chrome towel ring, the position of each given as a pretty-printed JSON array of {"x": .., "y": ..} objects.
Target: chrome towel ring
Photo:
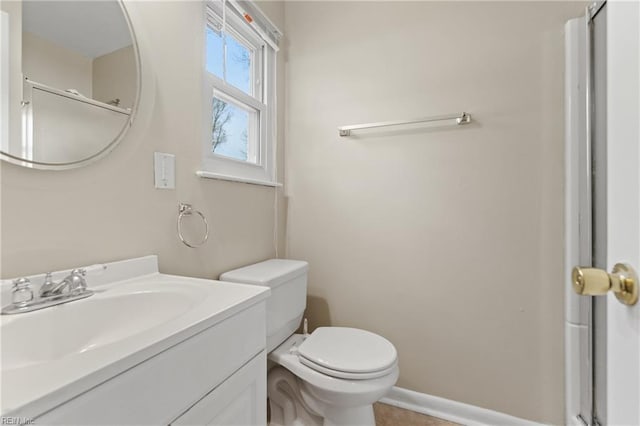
[{"x": 187, "y": 210}]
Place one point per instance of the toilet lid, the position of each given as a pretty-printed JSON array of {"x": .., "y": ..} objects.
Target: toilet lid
[{"x": 349, "y": 350}]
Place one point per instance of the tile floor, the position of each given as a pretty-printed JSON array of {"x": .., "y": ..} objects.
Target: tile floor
[{"x": 388, "y": 415}]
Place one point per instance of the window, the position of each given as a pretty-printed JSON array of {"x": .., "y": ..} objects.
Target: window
[{"x": 239, "y": 75}]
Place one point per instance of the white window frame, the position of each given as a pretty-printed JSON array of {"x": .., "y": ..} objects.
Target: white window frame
[{"x": 263, "y": 171}]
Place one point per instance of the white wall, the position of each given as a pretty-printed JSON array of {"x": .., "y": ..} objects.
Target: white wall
[
  {"x": 4, "y": 80},
  {"x": 446, "y": 241},
  {"x": 110, "y": 209},
  {"x": 14, "y": 10}
]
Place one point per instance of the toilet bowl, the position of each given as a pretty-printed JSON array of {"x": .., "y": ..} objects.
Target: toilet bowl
[
  {"x": 331, "y": 389},
  {"x": 330, "y": 377}
]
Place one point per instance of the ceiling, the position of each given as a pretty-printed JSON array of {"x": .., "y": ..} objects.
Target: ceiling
[{"x": 90, "y": 27}]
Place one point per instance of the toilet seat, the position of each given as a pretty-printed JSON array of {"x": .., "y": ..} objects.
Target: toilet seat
[
  {"x": 346, "y": 375},
  {"x": 286, "y": 355},
  {"x": 347, "y": 353}
]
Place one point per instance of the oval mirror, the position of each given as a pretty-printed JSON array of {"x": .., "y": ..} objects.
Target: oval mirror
[{"x": 75, "y": 91}]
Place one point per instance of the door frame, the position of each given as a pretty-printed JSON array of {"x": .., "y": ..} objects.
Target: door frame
[{"x": 585, "y": 226}]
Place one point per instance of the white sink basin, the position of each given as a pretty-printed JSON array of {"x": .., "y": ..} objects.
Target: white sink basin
[
  {"x": 50, "y": 355},
  {"x": 72, "y": 328}
]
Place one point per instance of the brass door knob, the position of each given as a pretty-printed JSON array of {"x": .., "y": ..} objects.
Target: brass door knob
[{"x": 622, "y": 280}]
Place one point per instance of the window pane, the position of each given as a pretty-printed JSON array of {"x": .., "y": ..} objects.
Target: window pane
[
  {"x": 238, "y": 60},
  {"x": 215, "y": 52},
  {"x": 232, "y": 133},
  {"x": 238, "y": 65}
]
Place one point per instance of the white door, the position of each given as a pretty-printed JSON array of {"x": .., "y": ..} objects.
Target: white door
[{"x": 623, "y": 206}]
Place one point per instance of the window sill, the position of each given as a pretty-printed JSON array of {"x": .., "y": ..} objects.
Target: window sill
[{"x": 211, "y": 175}]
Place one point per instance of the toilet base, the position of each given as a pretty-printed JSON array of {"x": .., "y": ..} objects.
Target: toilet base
[
  {"x": 291, "y": 405},
  {"x": 353, "y": 416},
  {"x": 286, "y": 402}
]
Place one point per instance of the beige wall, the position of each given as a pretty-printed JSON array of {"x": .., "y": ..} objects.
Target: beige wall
[
  {"x": 56, "y": 66},
  {"x": 104, "y": 78},
  {"x": 446, "y": 241},
  {"x": 114, "y": 77},
  {"x": 66, "y": 130},
  {"x": 110, "y": 210}
]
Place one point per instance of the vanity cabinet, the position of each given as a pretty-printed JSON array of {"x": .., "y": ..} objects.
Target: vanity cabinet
[
  {"x": 239, "y": 401},
  {"x": 215, "y": 377}
]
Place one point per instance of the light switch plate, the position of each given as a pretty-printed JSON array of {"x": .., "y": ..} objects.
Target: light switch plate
[{"x": 164, "y": 166}]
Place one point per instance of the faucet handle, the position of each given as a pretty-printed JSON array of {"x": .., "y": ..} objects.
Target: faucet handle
[
  {"x": 22, "y": 293},
  {"x": 76, "y": 280},
  {"x": 21, "y": 283}
]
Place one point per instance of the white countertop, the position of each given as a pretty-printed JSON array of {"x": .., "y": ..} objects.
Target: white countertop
[{"x": 32, "y": 388}]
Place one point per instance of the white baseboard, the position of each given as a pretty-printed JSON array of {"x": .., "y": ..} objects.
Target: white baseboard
[{"x": 453, "y": 411}]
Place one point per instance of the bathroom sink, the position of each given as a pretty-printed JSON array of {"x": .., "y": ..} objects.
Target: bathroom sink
[
  {"x": 53, "y": 354},
  {"x": 73, "y": 328}
]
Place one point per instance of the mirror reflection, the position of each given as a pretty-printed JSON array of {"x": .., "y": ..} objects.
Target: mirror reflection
[{"x": 79, "y": 81}]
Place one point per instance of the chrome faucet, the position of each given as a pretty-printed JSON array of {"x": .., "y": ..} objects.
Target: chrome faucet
[
  {"x": 70, "y": 288},
  {"x": 73, "y": 283}
]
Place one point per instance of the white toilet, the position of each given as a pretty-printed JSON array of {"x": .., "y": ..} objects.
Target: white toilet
[{"x": 329, "y": 377}]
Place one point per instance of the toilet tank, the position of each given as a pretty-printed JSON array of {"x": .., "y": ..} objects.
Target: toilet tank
[{"x": 285, "y": 306}]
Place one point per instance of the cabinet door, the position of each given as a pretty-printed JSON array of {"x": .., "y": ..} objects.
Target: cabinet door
[
  {"x": 161, "y": 388},
  {"x": 241, "y": 400}
]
